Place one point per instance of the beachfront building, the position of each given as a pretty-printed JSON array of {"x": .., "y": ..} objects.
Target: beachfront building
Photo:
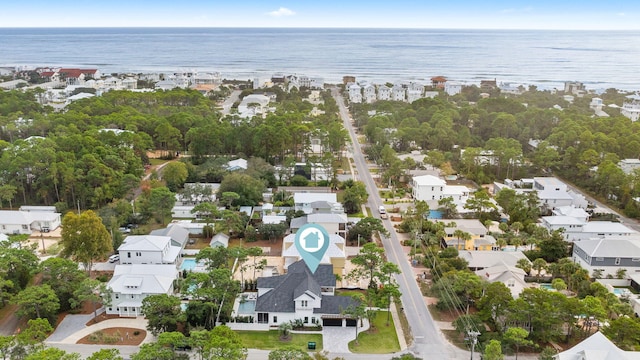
[
  {"x": 453, "y": 88},
  {"x": 355, "y": 93},
  {"x": 631, "y": 107},
  {"x": 397, "y": 93},
  {"x": 369, "y": 93},
  {"x": 384, "y": 92}
]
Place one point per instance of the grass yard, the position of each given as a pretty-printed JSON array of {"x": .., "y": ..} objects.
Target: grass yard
[
  {"x": 270, "y": 340},
  {"x": 383, "y": 339}
]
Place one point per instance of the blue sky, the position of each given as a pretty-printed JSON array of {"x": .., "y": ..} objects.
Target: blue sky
[{"x": 463, "y": 14}]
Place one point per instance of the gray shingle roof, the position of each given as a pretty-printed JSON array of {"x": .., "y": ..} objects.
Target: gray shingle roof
[
  {"x": 335, "y": 304},
  {"x": 285, "y": 288}
]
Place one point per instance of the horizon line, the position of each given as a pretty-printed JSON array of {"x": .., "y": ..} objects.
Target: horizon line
[{"x": 312, "y": 27}]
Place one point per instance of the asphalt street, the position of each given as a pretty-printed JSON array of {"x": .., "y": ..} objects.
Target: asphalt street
[{"x": 428, "y": 340}]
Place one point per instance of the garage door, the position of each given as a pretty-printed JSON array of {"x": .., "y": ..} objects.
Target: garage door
[
  {"x": 331, "y": 322},
  {"x": 351, "y": 322}
]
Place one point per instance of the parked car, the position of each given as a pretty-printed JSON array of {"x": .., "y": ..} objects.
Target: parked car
[{"x": 114, "y": 258}]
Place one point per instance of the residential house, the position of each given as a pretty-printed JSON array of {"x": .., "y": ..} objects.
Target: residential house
[
  {"x": 478, "y": 260},
  {"x": 631, "y": 107},
  {"x": 304, "y": 201},
  {"x": 301, "y": 294},
  {"x": 335, "y": 254},
  {"x": 253, "y": 104},
  {"x": 427, "y": 187},
  {"x": 130, "y": 284},
  {"x": 572, "y": 211},
  {"x": 608, "y": 254},
  {"x": 179, "y": 235},
  {"x": 488, "y": 85},
  {"x": 369, "y": 93},
  {"x": 511, "y": 276},
  {"x": 438, "y": 82},
  {"x": 334, "y": 223},
  {"x": 25, "y": 222},
  {"x": 196, "y": 193},
  {"x": 384, "y": 92},
  {"x": 129, "y": 83},
  {"x": 237, "y": 164},
  {"x": 597, "y": 347},
  {"x": 355, "y": 93},
  {"x": 552, "y": 193},
  {"x": 628, "y": 166},
  {"x": 605, "y": 229},
  {"x": 148, "y": 249},
  {"x": 571, "y": 226},
  {"x": 575, "y": 88},
  {"x": 453, "y": 88},
  {"x": 32, "y": 208},
  {"x": 480, "y": 239},
  {"x": 398, "y": 93},
  {"x": 413, "y": 95},
  {"x": 183, "y": 212},
  {"x": 219, "y": 240}
]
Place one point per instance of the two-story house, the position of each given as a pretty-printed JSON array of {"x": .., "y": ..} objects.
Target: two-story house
[
  {"x": 305, "y": 201},
  {"x": 479, "y": 240},
  {"x": 148, "y": 249},
  {"x": 301, "y": 294},
  {"x": 130, "y": 284},
  {"x": 631, "y": 107},
  {"x": 384, "y": 92},
  {"x": 335, "y": 255},
  {"x": 355, "y": 93},
  {"x": 427, "y": 187},
  {"x": 608, "y": 255}
]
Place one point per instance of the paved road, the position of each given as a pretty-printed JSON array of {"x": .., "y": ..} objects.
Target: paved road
[
  {"x": 228, "y": 102},
  {"x": 428, "y": 340}
]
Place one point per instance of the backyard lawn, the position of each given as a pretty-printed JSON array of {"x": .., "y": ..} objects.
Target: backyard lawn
[
  {"x": 383, "y": 339},
  {"x": 270, "y": 340}
]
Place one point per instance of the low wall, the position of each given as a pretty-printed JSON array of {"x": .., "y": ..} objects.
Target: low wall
[{"x": 248, "y": 326}]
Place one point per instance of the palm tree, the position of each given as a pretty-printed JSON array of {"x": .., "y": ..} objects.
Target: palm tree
[
  {"x": 458, "y": 234},
  {"x": 539, "y": 264},
  {"x": 525, "y": 265}
]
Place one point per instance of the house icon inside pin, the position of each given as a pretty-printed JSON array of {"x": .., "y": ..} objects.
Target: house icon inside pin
[{"x": 311, "y": 240}]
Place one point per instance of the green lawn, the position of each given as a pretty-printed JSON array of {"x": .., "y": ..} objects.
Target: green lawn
[
  {"x": 157, "y": 161},
  {"x": 270, "y": 340},
  {"x": 383, "y": 340}
]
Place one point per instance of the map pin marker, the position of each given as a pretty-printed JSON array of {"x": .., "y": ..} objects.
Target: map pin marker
[{"x": 312, "y": 242}]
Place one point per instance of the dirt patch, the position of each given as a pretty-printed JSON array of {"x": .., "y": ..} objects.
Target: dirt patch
[
  {"x": 275, "y": 247},
  {"x": 115, "y": 336},
  {"x": 102, "y": 317}
]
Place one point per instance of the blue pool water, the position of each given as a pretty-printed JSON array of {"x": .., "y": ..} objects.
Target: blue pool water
[
  {"x": 546, "y": 286},
  {"x": 188, "y": 264},
  {"x": 246, "y": 307},
  {"x": 435, "y": 214},
  {"x": 619, "y": 291}
]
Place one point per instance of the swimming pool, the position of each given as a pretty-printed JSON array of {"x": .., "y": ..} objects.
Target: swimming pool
[
  {"x": 188, "y": 264},
  {"x": 246, "y": 307},
  {"x": 435, "y": 214},
  {"x": 546, "y": 287}
]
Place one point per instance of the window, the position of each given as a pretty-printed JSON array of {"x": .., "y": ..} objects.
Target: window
[
  {"x": 110, "y": 309},
  {"x": 129, "y": 254},
  {"x": 599, "y": 259},
  {"x": 117, "y": 296},
  {"x": 25, "y": 227},
  {"x": 635, "y": 259},
  {"x": 138, "y": 253},
  {"x": 133, "y": 296},
  {"x": 275, "y": 319},
  {"x": 617, "y": 261},
  {"x": 306, "y": 319},
  {"x": 511, "y": 283},
  {"x": 304, "y": 303},
  {"x": 124, "y": 308}
]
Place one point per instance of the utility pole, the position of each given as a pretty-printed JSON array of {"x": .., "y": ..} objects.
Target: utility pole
[{"x": 473, "y": 337}]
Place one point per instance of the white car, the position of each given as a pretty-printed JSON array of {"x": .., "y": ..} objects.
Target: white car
[{"x": 114, "y": 258}]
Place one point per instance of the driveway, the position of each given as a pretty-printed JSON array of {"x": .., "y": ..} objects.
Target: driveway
[{"x": 336, "y": 339}]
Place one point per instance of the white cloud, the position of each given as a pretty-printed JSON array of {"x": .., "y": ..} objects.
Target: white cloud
[{"x": 282, "y": 12}]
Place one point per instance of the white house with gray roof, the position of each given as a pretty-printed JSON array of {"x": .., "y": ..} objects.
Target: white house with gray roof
[
  {"x": 301, "y": 294},
  {"x": 511, "y": 276},
  {"x": 608, "y": 254},
  {"x": 130, "y": 284},
  {"x": 179, "y": 235},
  {"x": 148, "y": 249},
  {"x": 305, "y": 201},
  {"x": 484, "y": 259}
]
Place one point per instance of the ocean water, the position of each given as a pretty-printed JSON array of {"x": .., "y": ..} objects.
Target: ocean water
[{"x": 600, "y": 59}]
